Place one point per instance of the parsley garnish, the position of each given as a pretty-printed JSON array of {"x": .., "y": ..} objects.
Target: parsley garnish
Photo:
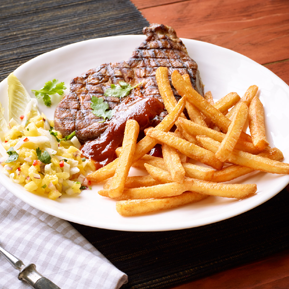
[
  {"x": 13, "y": 155},
  {"x": 44, "y": 186},
  {"x": 44, "y": 157},
  {"x": 50, "y": 88},
  {"x": 101, "y": 108},
  {"x": 120, "y": 90}
]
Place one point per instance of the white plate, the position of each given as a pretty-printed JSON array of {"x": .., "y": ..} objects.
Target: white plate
[{"x": 222, "y": 71}]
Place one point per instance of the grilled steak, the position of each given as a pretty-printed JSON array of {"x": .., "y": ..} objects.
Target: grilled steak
[{"x": 161, "y": 48}]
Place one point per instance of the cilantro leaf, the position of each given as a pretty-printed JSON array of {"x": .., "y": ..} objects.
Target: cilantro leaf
[
  {"x": 13, "y": 155},
  {"x": 120, "y": 90},
  {"x": 100, "y": 108},
  {"x": 49, "y": 88},
  {"x": 44, "y": 157}
]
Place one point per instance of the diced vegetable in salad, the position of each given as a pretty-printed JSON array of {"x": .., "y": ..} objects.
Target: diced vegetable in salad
[{"x": 36, "y": 160}]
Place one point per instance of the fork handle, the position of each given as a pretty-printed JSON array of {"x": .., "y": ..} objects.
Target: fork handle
[
  {"x": 30, "y": 275},
  {"x": 44, "y": 283}
]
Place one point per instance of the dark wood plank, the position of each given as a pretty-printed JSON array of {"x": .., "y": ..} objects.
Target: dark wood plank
[
  {"x": 270, "y": 273},
  {"x": 258, "y": 29}
]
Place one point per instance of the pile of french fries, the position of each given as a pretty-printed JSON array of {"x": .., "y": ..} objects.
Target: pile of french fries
[{"x": 204, "y": 144}]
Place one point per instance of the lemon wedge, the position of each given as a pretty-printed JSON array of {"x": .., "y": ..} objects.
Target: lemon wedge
[
  {"x": 18, "y": 98},
  {"x": 3, "y": 123}
]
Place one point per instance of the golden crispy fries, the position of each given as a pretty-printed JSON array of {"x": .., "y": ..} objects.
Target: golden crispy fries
[
  {"x": 227, "y": 102},
  {"x": 234, "y": 171},
  {"x": 165, "y": 88},
  {"x": 193, "y": 112},
  {"x": 245, "y": 159},
  {"x": 257, "y": 123},
  {"x": 135, "y": 181},
  {"x": 125, "y": 159},
  {"x": 247, "y": 98},
  {"x": 140, "y": 207},
  {"x": 209, "y": 97},
  {"x": 191, "y": 150},
  {"x": 173, "y": 163},
  {"x": 143, "y": 146},
  {"x": 157, "y": 191},
  {"x": 195, "y": 129},
  {"x": 169, "y": 99},
  {"x": 198, "y": 172},
  {"x": 187, "y": 136},
  {"x": 192, "y": 170},
  {"x": 198, "y": 101},
  {"x": 233, "y": 133},
  {"x": 147, "y": 143},
  {"x": 238, "y": 191},
  {"x": 174, "y": 179}
]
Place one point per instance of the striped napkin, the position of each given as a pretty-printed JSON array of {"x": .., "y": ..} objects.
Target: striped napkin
[{"x": 59, "y": 252}]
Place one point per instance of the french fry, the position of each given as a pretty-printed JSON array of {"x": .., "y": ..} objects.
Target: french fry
[
  {"x": 238, "y": 191},
  {"x": 234, "y": 171},
  {"x": 187, "y": 136},
  {"x": 165, "y": 89},
  {"x": 246, "y": 159},
  {"x": 135, "y": 181},
  {"x": 191, "y": 150},
  {"x": 227, "y": 102},
  {"x": 209, "y": 97},
  {"x": 233, "y": 133},
  {"x": 195, "y": 129},
  {"x": 156, "y": 192},
  {"x": 143, "y": 146},
  {"x": 247, "y": 98},
  {"x": 257, "y": 123},
  {"x": 125, "y": 159},
  {"x": 173, "y": 163},
  {"x": 154, "y": 161},
  {"x": 141, "y": 207},
  {"x": 198, "y": 172},
  {"x": 193, "y": 112},
  {"x": 103, "y": 173}
]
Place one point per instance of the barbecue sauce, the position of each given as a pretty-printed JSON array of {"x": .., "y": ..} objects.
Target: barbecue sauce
[{"x": 102, "y": 149}]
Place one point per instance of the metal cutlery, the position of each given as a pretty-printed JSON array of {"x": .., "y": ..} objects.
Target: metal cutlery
[{"x": 28, "y": 274}]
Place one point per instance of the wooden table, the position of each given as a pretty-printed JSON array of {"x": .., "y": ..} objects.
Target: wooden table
[{"x": 258, "y": 29}]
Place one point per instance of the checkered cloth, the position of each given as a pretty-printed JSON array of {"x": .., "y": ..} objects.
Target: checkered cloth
[{"x": 60, "y": 253}]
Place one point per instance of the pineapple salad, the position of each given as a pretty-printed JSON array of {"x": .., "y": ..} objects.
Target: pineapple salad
[{"x": 36, "y": 156}]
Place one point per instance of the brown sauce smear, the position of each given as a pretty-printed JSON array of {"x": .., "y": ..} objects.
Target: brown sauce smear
[{"x": 102, "y": 149}]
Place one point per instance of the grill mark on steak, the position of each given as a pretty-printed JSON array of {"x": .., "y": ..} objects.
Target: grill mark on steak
[{"x": 162, "y": 48}]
